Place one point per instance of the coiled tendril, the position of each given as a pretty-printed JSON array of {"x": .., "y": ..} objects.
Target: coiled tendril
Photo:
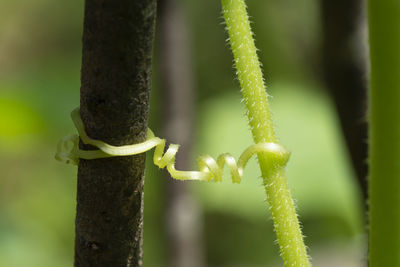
[{"x": 209, "y": 168}]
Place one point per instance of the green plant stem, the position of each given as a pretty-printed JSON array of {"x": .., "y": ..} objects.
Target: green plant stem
[
  {"x": 286, "y": 223},
  {"x": 384, "y": 133}
]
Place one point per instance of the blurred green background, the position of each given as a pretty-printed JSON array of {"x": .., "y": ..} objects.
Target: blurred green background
[{"x": 40, "y": 53}]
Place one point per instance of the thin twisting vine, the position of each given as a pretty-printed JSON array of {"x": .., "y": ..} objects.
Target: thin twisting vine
[
  {"x": 209, "y": 169},
  {"x": 272, "y": 156},
  {"x": 248, "y": 69}
]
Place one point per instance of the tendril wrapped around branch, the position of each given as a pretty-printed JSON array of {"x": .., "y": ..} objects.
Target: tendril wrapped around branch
[{"x": 209, "y": 169}]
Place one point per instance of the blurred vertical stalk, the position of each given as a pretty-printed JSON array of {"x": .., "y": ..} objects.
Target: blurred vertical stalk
[
  {"x": 183, "y": 218},
  {"x": 384, "y": 133},
  {"x": 343, "y": 63}
]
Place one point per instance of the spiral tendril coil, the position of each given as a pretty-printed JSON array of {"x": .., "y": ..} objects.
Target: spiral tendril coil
[{"x": 209, "y": 169}]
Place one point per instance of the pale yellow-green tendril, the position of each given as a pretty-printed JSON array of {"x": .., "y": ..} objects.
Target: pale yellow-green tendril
[{"x": 209, "y": 169}]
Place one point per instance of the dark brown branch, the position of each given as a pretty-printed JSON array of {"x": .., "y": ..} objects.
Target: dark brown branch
[{"x": 116, "y": 79}]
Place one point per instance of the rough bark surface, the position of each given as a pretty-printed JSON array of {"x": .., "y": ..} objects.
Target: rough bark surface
[{"x": 116, "y": 80}]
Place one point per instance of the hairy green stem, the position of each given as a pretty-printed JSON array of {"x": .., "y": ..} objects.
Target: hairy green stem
[
  {"x": 286, "y": 223},
  {"x": 384, "y": 133}
]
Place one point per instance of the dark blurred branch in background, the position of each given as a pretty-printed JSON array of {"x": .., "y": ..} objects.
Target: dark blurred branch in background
[
  {"x": 344, "y": 68},
  {"x": 183, "y": 218}
]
